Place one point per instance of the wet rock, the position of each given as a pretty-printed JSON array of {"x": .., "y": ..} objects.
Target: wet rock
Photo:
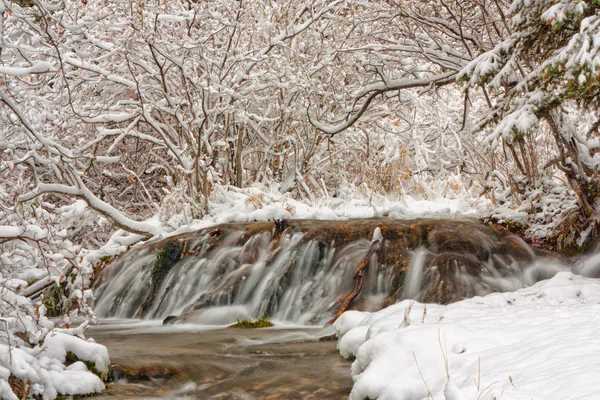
[
  {"x": 328, "y": 338},
  {"x": 145, "y": 373},
  {"x": 216, "y": 232},
  {"x": 281, "y": 225},
  {"x": 115, "y": 372},
  {"x": 170, "y": 320},
  {"x": 153, "y": 372}
]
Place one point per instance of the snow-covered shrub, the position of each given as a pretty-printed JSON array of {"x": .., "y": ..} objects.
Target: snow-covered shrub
[{"x": 37, "y": 258}]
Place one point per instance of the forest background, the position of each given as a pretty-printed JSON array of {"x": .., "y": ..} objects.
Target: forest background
[{"x": 123, "y": 120}]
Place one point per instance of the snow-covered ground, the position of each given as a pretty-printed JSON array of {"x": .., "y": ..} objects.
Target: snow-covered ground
[
  {"x": 232, "y": 204},
  {"x": 540, "y": 342}
]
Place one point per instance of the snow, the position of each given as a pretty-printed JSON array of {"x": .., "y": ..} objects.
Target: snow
[
  {"x": 37, "y": 68},
  {"x": 112, "y": 117},
  {"x": 536, "y": 343},
  {"x": 29, "y": 232},
  {"x": 231, "y": 204},
  {"x": 71, "y": 381},
  {"x": 57, "y": 345},
  {"x": 44, "y": 369}
]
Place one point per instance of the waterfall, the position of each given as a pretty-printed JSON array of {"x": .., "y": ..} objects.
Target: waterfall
[
  {"x": 414, "y": 276},
  {"x": 304, "y": 274},
  {"x": 287, "y": 278}
]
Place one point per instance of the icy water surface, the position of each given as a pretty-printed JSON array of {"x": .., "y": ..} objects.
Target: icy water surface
[{"x": 225, "y": 363}]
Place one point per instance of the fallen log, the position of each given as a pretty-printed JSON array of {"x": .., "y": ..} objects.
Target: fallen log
[{"x": 359, "y": 273}]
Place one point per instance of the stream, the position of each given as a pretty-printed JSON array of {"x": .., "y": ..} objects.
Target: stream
[{"x": 226, "y": 363}]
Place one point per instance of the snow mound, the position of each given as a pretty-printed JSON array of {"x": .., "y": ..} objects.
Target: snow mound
[
  {"x": 58, "y": 344},
  {"x": 42, "y": 368},
  {"x": 536, "y": 343}
]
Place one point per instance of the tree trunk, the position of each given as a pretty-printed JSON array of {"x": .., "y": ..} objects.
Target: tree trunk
[{"x": 239, "y": 170}]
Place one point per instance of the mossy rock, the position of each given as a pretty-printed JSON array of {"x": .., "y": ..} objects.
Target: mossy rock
[
  {"x": 262, "y": 322},
  {"x": 167, "y": 257},
  {"x": 143, "y": 373},
  {"x": 170, "y": 320},
  {"x": 453, "y": 245},
  {"x": 56, "y": 300},
  {"x": 76, "y": 396},
  {"x": 71, "y": 358}
]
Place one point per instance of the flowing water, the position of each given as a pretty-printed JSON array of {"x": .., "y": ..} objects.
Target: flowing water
[
  {"x": 227, "y": 364},
  {"x": 303, "y": 274},
  {"x": 297, "y": 273}
]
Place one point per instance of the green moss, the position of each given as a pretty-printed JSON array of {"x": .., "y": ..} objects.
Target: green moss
[
  {"x": 105, "y": 259},
  {"x": 167, "y": 257},
  {"x": 510, "y": 225},
  {"x": 71, "y": 358},
  {"x": 262, "y": 322},
  {"x": 31, "y": 281},
  {"x": 56, "y": 300},
  {"x": 516, "y": 227}
]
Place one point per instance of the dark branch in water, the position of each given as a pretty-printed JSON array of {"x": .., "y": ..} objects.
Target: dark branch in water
[{"x": 358, "y": 275}]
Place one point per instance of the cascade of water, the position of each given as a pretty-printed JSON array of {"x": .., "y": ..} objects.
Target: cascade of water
[
  {"x": 125, "y": 286},
  {"x": 304, "y": 278},
  {"x": 414, "y": 276},
  {"x": 289, "y": 279}
]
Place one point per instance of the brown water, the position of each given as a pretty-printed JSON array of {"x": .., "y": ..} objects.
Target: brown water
[{"x": 227, "y": 363}]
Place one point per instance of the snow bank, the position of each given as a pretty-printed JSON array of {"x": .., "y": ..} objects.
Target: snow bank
[
  {"x": 231, "y": 204},
  {"x": 536, "y": 343},
  {"x": 34, "y": 352},
  {"x": 42, "y": 369},
  {"x": 73, "y": 381}
]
